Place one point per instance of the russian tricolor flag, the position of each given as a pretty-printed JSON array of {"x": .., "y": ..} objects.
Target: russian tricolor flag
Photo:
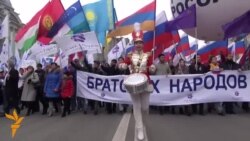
[
  {"x": 163, "y": 39},
  {"x": 237, "y": 47},
  {"x": 170, "y": 52},
  {"x": 183, "y": 44},
  {"x": 191, "y": 50},
  {"x": 213, "y": 49}
]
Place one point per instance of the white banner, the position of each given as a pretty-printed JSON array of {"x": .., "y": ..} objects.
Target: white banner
[
  {"x": 79, "y": 42},
  {"x": 38, "y": 51},
  {"x": 171, "y": 89},
  {"x": 26, "y": 63}
]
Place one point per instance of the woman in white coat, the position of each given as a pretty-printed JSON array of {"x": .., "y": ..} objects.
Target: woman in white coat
[{"x": 29, "y": 92}]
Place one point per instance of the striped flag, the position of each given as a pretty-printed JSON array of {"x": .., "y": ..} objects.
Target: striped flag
[{"x": 27, "y": 35}]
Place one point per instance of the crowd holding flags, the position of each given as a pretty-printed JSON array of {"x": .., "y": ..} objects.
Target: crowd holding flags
[
  {"x": 48, "y": 25},
  {"x": 69, "y": 36}
]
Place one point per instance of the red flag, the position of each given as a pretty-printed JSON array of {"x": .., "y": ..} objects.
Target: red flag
[
  {"x": 51, "y": 14},
  {"x": 32, "y": 22}
]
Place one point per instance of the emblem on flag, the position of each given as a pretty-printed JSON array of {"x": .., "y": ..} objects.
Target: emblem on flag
[
  {"x": 115, "y": 50},
  {"x": 78, "y": 37},
  {"x": 90, "y": 15},
  {"x": 47, "y": 22}
]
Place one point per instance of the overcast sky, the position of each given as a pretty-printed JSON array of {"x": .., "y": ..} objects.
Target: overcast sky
[{"x": 27, "y": 8}]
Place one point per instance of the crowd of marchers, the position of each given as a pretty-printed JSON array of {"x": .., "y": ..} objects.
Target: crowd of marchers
[{"x": 50, "y": 89}]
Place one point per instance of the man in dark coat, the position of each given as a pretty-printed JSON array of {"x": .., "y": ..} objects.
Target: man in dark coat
[
  {"x": 110, "y": 71},
  {"x": 75, "y": 66},
  {"x": 96, "y": 69},
  {"x": 197, "y": 67},
  {"x": 40, "y": 94},
  {"x": 229, "y": 64},
  {"x": 11, "y": 88},
  {"x": 1, "y": 91}
]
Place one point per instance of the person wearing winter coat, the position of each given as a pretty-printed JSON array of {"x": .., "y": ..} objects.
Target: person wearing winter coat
[
  {"x": 67, "y": 91},
  {"x": 181, "y": 69},
  {"x": 29, "y": 92},
  {"x": 2, "y": 73},
  {"x": 197, "y": 67},
  {"x": 215, "y": 68},
  {"x": 229, "y": 64},
  {"x": 52, "y": 88},
  {"x": 11, "y": 88}
]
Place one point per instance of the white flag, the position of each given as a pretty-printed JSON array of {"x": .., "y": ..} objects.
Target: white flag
[
  {"x": 4, "y": 55},
  {"x": 17, "y": 57},
  {"x": 116, "y": 51},
  {"x": 79, "y": 42}
]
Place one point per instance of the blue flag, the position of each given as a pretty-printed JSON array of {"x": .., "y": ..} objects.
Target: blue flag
[
  {"x": 101, "y": 36},
  {"x": 74, "y": 18},
  {"x": 100, "y": 15},
  {"x": 78, "y": 23}
]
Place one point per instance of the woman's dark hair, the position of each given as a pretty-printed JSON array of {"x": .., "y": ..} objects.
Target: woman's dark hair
[
  {"x": 54, "y": 63},
  {"x": 39, "y": 65},
  {"x": 160, "y": 55},
  {"x": 121, "y": 58},
  {"x": 67, "y": 72},
  {"x": 210, "y": 58}
]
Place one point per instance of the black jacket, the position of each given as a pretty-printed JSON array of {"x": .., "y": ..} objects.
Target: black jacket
[
  {"x": 199, "y": 70},
  {"x": 11, "y": 85},
  {"x": 230, "y": 65},
  {"x": 111, "y": 70}
]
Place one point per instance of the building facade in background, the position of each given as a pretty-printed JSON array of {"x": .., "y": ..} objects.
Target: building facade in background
[{"x": 15, "y": 21}]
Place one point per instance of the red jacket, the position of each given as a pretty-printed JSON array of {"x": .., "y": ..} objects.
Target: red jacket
[
  {"x": 67, "y": 88},
  {"x": 149, "y": 63}
]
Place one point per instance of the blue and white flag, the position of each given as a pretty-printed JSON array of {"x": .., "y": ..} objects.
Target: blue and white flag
[{"x": 116, "y": 51}]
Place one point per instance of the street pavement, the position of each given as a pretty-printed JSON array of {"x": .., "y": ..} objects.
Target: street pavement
[{"x": 104, "y": 127}]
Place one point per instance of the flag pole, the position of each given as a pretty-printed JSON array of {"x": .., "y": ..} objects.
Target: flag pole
[
  {"x": 60, "y": 57},
  {"x": 196, "y": 41},
  {"x": 181, "y": 55},
  {"x": 153, "y": 51},
  {"x": 8, "y": 28},
  {"x": 123, "y": 48}
]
